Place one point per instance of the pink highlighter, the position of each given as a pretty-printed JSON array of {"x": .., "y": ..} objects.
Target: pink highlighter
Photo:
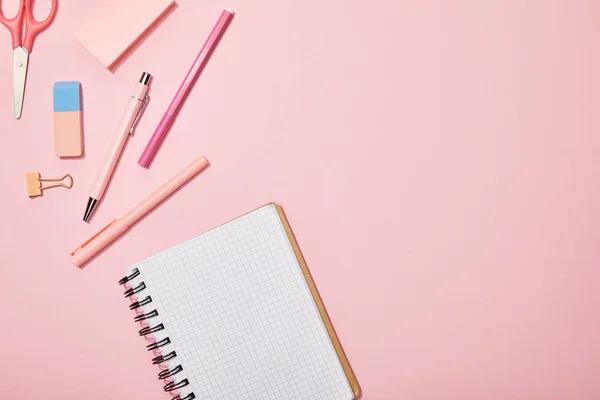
[
  {"x": 117, "y": 227},
  {"x": 167, "y": 120}
]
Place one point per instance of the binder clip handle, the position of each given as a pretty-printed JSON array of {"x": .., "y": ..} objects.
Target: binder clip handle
[{"x": 34, "y": 181}]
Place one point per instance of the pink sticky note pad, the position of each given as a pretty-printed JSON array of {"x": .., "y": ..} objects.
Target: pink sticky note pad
[{"x": 117, "y": 25}]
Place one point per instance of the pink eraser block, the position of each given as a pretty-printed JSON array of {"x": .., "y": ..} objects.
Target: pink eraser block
[
  {"x": 117, "y": 25},
  {"x": 68, "y": 132}
]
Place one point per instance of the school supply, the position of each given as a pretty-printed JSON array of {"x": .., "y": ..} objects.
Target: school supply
[
  {"x": 234, "y": 314},
  {"x": 118, "y": 227},
  {"x": 68, "y": 130},
  {"x": 23, "y": 29},
  {"x": 135, "y": 108},
  {"x": 169, "y": 117},
  {"x": 33, "y": 182},
  {"x": 117, "y": 25}
]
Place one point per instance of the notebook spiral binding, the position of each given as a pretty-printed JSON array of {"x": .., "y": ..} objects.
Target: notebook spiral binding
[{"x": 166, "y": 374}]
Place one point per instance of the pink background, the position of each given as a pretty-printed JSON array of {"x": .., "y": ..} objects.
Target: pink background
[{"x": 437, "y": 159}]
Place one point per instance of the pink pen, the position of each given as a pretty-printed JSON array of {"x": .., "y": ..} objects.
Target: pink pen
[
  {"x": 118, "y": 227},
  {"x": 135, "y": 108},
  {"x": 201, "y": 60}
]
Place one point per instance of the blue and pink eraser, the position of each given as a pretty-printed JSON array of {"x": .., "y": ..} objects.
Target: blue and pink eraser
[{"x": 68, "y": 130}]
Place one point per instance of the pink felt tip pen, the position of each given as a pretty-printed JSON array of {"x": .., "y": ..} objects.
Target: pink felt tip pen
[
  {"x": 117, "y": 227},
  {"x": 135, "y": 108},
  {"x": 199, "y": 63}
]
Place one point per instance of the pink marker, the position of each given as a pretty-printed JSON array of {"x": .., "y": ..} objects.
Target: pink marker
[
  {"x": 117, "y": 227},
  {"x": 135, "y": 108},
  {"x": 201, "y": 60}
]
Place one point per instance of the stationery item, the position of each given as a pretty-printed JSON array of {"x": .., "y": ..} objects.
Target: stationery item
[
  {"x": 135, "y": 108},
  {"x": 23, "y": 29},
  {"x": 118, "y": 227},
  {"x": 33, "y": 181},
  {"x": 169, "y": 117},
  {"x": 234, "y": 314},
  {"x": 117, "y": 25},
  {"x": 68, "y": 131}
]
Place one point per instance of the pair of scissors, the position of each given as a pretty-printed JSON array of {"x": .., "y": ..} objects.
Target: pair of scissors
[{"x": 23, "y": 29}]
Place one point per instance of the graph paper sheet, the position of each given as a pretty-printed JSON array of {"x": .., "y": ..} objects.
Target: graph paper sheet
[{"x": 241, "y": 316}]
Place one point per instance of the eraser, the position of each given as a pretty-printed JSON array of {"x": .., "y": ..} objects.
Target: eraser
[
  {"x": 117, "y": 25},
  {"x": 68, "y": 132}
]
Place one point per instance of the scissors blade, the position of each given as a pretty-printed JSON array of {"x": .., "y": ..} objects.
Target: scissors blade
[{"x": 20, "y": 63}]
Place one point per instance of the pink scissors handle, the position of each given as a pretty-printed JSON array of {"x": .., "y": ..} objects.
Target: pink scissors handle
[
  {"x": 33, "y": 27},
  {"x": 14, "y": 25}
]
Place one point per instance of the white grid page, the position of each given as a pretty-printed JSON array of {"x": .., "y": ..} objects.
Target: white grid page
[{"x": 241, "y": 317}]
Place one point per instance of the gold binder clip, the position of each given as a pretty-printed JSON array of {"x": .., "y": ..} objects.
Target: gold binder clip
[{"x": 34, "y": 183}]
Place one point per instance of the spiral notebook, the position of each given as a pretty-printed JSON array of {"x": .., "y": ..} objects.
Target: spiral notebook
[{"x": 234, "y": 314}]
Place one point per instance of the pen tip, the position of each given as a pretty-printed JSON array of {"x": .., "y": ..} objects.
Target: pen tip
[{"x": 90, "y": 207}]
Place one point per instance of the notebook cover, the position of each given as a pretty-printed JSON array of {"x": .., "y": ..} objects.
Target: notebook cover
[
  {"x": 315, "y": 294},
  {"x": 117, "y": 25}
]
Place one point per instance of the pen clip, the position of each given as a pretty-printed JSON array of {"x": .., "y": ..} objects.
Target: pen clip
[{"x": 140, "y": 112}]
